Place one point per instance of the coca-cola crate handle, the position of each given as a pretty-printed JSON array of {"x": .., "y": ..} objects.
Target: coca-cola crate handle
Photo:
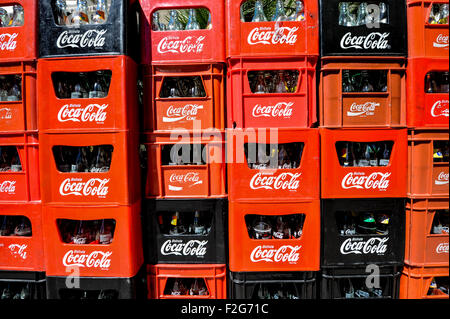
[
  {"x": 112, "y": 37},
  {"x": 18, "y": 32},
  {"x": 175, "y": 46},
  {"x": 384, "y": 39},
  {"x": 299, "y": 36}
]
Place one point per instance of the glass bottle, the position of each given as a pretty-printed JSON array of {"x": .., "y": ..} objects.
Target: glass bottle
[
  {"x": 81, "y": 236},
  {"x": 259, "y": 15},
  {"x": 434, "y": 14},
  {"x": 384, "y": 18},
  {"x": 443, "y": 14},
  {"x": 198, "y": 228},
  {"x": 80, "y": 15},
  {"x": 4, "y": 229},
  {"x": 345, "y": 18},
  {"x": 444, "y": 83},
  {"x": 61, "y": 12},
  {"x": 14, "y": 93},
  {"x": 192, "y": 23},
  {"x": 178, "y": 288},
  {"x": 281, "y": 83},
  {"x": 362, "y": 18},
  {"x": 280, "y": 14},
  {"x": 346, "y": 82},
  {"x": 174, "y": 22},
  {"x": 99, "y": 16},
  {"x": 384, "y": 161},
  {"x": 76, "y": 94},
  {"x": 4, "y": 18},
  {"x": 209, "y": 23},
  {"x": 299, "y": 14},
  {"x": 261, "y": 228},
  {"x": 105, "y": 235},
  {"x": 282, "y": 230},
  {"x": 196, "y": 90},
  {"x": 18, "y": 16},
  {"x": 428, "y": 84},
  {"x": 23, "y": 229},
  {"x": 176, "y": 228},
  {"x": 260, "y": 85},
  {"x": 155, "y": 21},
  {"x": 366, "y": 87}
]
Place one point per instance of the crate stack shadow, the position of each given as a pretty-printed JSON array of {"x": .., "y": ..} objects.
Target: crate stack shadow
[
  {"x": 22, "y": 270},
  {"x": 362, "y": 101},
  {"x": 426, "y": 271},
  {"x": 89, "y": 133},
  {"x": 185, "y": 197},
  {"x": 273, "y": 151}
]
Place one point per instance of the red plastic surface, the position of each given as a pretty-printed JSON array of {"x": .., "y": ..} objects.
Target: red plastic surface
[
  {"x": 363, "y": 182},
  {"x": 415, "y": 282},
  {"x": 116, "y": 111},
  {"x": 122, "y": 258},
  {"x": 285, "y": 110},
  {"x": 23, "y": 253},
  {"x": 246, "y": 184},
  {"x": 120, "y": 185},
  {"x": 186, "y": 46}
]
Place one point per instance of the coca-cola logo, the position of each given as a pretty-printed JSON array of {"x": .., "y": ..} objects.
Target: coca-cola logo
[
  {"x": 284, "y": 254},
  {"x": 281, "y": 109},
  {"x": 8, "y": 41},
  {"x": 188, "y": 112},
  {"x": 442, "y": 248},
  {"x": 76, "y": 39},
  {"x": 92, "y": 187},
  {"x": 284, "y": 181},
  {"x": 5, "y": 114},
  {"x": 8, "y": 187},
  {"x": 191, "y": 178},
  {"x": 267, "y": 35},
  {"x": 18, "y": 250},
  {"x": 372, "y": 41},
  {"x": 179, "y": 248},
  {"x": 363, "y": 110},
  {"x": 76, "y": 113},
  {"x": 359, "y": 246},
  {"x": 359, "y": 180},
  {"x": 95, "y": 259},
  {"x": 441, "y": 41},
  {"x": 442, "y": 179},
  {"x": 440, "y": 108},
  {"x": 173, "y": 44}
]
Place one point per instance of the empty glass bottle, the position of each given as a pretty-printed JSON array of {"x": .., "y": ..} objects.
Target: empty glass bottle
[
  {"x": 174, "y": 22},
  {"x": 80, "y": 15},
  {"x": 299, "y": 14},
  {"x": 366, "y": 86},
  {"x": 362, "y": 18},
  {"x": 99, "y": 16},
  {"x": 345, "y": 18},
  {"x": 280, "y": 14},
  {"x": 18, "y": 16},
  {"x": 259, "y": 15},
  {"x": 192, "y": 23}
]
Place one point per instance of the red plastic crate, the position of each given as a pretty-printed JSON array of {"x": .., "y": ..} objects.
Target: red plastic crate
[
  {"x": 426, "y": 109},
  {"x": 248, "y": 254},
  {"x": 425, "y": 177},
  {"x": 116, "y": 111},
  {"x": 266, "y": 185},
  {"x": 362, "y": 109},
  {"x": 22, "y": 186},
  {"x": 187, "y": 113},
  {"x": 261, "y": 38},
  {"x": 415, "y": 282},
  {"x": 425, "y": 39},
  {"x": 285, "y": 110},
  {"x": 122, "y": 258},
  {"x": 363, "y": 182},
  {"x": 20, "y": 115},
  {"x": 18, "y": 43},
  {"x": 422, "y": 247},
  {"x": 23, "y": 253},
  {"x": 186, "y": 46},
  {"x": 213, "y": 275},
  {"x": 186, "y": 181},
  {"x": 120, "y": 185}
]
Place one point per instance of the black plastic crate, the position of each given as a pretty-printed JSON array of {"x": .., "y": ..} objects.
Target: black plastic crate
[
  {"x": 260, "y": 285},
  {"x": 339, "y": 250},
  {"x": 16, "y": 281},
  {"x": 162, "y": 248},
  {"x": 117, "y": 36},
  {"x": 98, "y": 287},
  {"x": 389, "y": 39},
  {"x": 350, "y": 283}
]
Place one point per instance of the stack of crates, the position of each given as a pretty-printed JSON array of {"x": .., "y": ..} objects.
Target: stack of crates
[
  {"x": 362, "y": 100},
  {"x": 88, "y": 129},
  {"x": 22, "y": 269},
  {"x": 183, "y": 63},
  {"x": 426, "y": 271},
  {"x": 273, "y": 150}
]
